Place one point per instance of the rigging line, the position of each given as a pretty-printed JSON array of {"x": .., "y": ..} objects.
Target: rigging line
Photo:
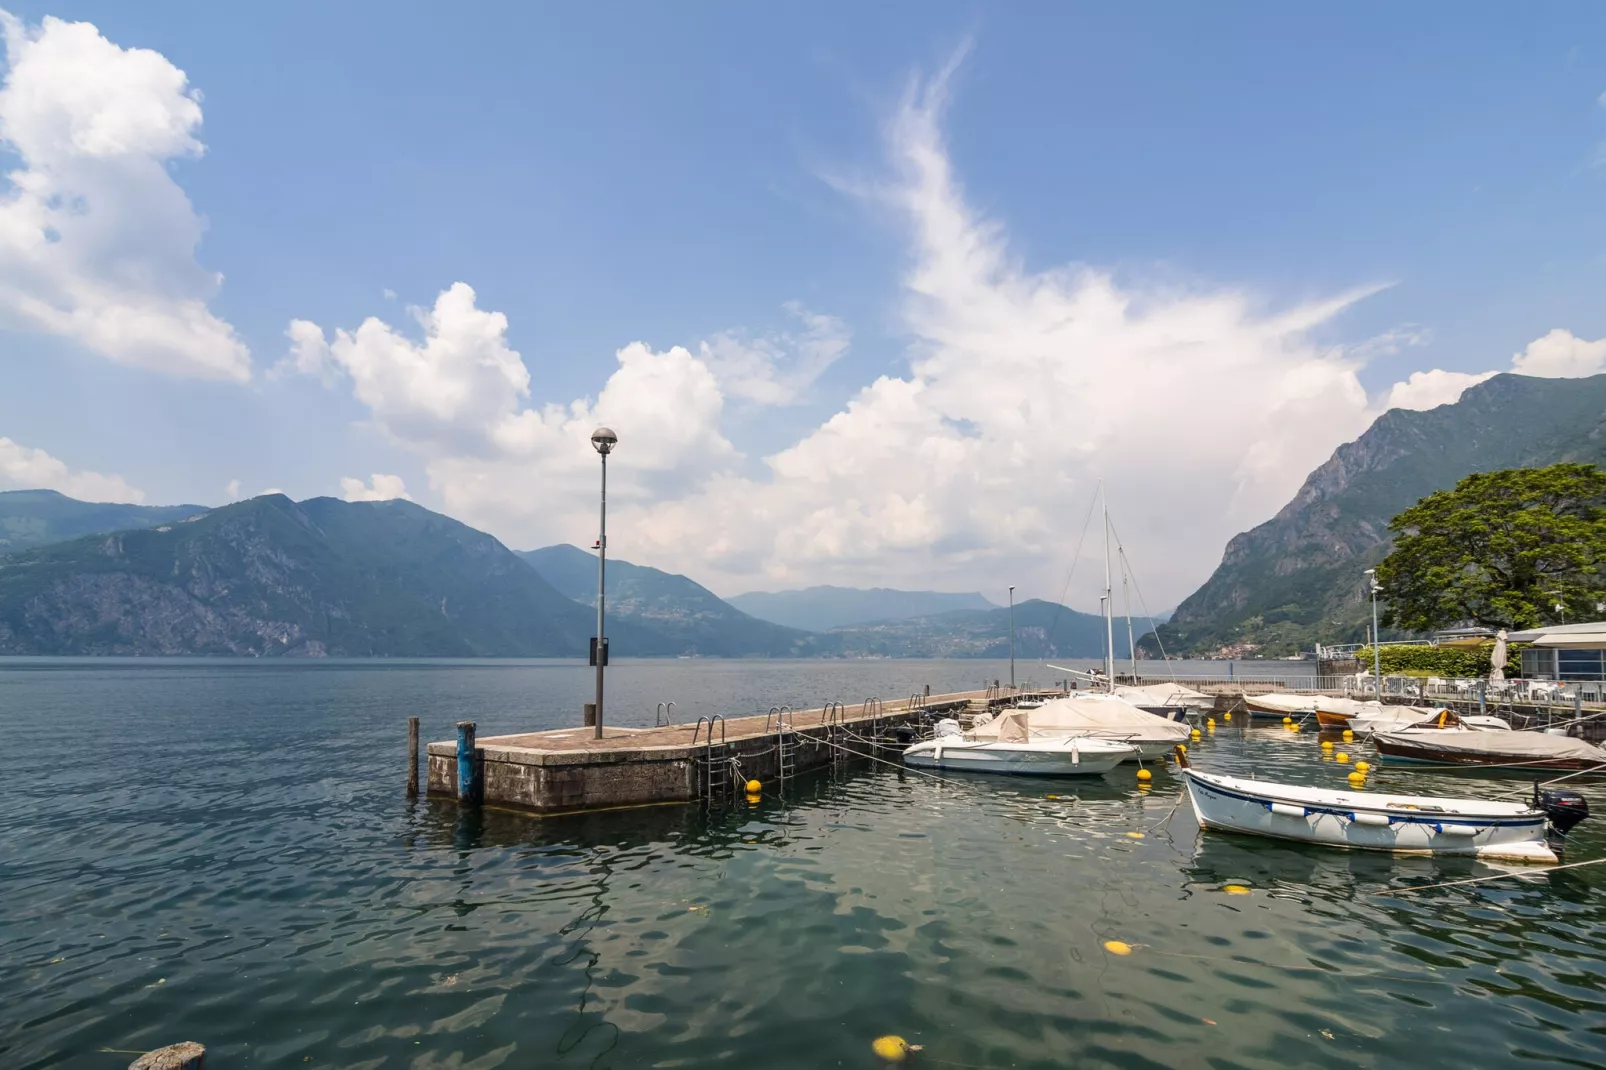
[
  {"x": 1555, "y": 780},
  {"x": 1065, "y": 590},
  {"x": 1480, "y": 880},
  {"x": 1148, "y": 615}
]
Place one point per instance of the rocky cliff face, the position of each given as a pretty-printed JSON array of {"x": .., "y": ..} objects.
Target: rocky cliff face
[{"x": 1297, "y": 579}]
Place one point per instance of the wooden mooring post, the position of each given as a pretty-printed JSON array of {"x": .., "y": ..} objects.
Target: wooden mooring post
[
  {"x": 589, "y": 714},
  {"x": 412, "y": 757},
  {"x": 467, "y": 773},
  {"x": 186, "y": 1056}
]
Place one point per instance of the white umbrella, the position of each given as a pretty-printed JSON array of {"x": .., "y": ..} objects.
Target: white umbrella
[{"x": 1497, "y": 659}]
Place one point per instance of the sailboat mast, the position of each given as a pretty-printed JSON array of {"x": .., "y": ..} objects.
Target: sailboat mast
[
  {"x": 1126, "y": 599},
  {"x": 1109, "y": 600}
]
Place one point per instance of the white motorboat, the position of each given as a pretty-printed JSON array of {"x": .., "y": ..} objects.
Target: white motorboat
[
  {"x": 1089, "y": 715},
  {"x": 1410, "y": 824},
  {"x": 1014, "y": 750}
]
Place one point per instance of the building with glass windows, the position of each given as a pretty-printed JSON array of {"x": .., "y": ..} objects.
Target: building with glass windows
[{"x": 1564, "y": 652}]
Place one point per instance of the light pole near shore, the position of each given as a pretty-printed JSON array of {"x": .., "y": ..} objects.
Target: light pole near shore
[
  {"x": 1012, "y": 638},
  {"x": 1377, "y": 653},
  {"x": 604, "y": 441}
]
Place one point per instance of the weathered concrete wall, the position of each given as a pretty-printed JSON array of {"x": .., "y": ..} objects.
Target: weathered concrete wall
[{"x": 567, "y": 781}]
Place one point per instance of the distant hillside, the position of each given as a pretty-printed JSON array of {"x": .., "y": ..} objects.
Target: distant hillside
[
  {"x": 269, "y": 576},
  {"x": 1297, "y": 579},
  {"x": 31, "y": 518},
  {"x": 1043, "y": 630},
  {"x": 819, "y": 609},
  {"x": 690, "y": 616}
]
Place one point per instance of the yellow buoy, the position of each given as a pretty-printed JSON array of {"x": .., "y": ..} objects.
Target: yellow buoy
[
  {"x": 1340, "y": 757},
  {"x": 754, "y": 787},
  {"x": 1135, "y": 835},
  {"x": 1144, "y": 774},
  {"x": 1293, "y": 728},
  {"x": 1327, "y": 744},
  {"x": 1357, "y": 778},
  {"x": 1116, "y": 947},
  {"x": 1227, "y": 716},
  {"x": 1288, "y": 720},
  {"x": 892, "y": 1049},
  {"x": 1195, "y": 734},
  {"x": 1210, "y": 722},
  {"x": 1363, "y": 767},
  {"x": 1348, "y": 736},
  {"x": 1236, "y": 889}
]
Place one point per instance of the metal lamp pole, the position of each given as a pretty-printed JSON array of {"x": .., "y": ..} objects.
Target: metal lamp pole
[
  {"x": 1377, "y": 653},
  {"x": 604, "y": 441},
  {"x": 1012, "y": 638}
]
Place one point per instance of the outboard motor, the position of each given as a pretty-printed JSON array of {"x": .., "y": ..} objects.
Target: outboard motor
[
  {"x": 948, "y": 728},
  {"x": 904, "y": 734},
  {"x": 1565, "y": 809}
]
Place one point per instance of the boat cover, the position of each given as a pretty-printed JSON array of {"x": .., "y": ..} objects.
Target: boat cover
[
  {"x": 1282, "y": 703},
  {"x": 1163, "y": 695},
  {"x": 1474, "y": 742},
  {"x": 1101, "y": 715}
]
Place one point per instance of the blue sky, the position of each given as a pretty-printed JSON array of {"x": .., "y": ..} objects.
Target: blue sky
[{"x": 681, "y": 175}]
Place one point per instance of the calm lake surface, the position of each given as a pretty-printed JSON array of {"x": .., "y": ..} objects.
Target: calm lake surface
[{"x": 222, "y": 852}]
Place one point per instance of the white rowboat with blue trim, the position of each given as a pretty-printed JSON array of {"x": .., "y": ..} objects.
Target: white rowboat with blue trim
[{"x": 1375, "y": 821}]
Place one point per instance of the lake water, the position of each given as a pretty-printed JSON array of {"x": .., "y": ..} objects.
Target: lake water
[{"x": 222, "y": 851}]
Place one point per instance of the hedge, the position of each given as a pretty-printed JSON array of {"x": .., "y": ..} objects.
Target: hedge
[{"x": 1462, "y": 661}]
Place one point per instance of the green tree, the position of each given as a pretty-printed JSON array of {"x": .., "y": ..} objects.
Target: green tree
[{"x": 1502, "y": 549}]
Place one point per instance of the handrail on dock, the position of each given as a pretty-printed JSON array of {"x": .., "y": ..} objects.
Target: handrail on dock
[
  {"x": 665, "y": 716},
  {"x": 710, "y": 722},
  {"x": 833, "y": 713},
  {"x": 782, "y": 716}
]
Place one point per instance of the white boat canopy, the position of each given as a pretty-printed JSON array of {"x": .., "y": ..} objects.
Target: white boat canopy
[{"x": 1086, "y": 714}]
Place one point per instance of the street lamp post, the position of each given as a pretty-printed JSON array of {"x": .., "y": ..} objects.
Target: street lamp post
[
  {"x": 1012, "y": 638},
  {"x": 1377, "y": 653},
  {"x": 604, "y": 441}
]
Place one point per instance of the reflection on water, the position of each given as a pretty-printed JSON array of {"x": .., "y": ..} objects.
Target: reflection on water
[{"x": 223, "y": 856}]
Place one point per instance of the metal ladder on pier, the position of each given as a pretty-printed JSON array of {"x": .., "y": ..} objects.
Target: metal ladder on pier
[
  {"x": 785, "y": 742},
  {"x": 872, "y": 711},
  {"x": 665, "y": 715},
  {"x": 714, "y": 764},
  {"x": 834, "y": 721}
]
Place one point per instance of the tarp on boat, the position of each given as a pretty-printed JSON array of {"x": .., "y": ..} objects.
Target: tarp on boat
[
  {"x": 1482, "y": 745},
  {"x": 1164, "y": 695},
  {"x": 1279, "y": 702},
  {"x": 1106, "y": 716}
]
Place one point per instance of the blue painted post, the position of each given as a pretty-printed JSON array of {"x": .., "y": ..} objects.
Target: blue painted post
[{"x": 468, "y": 787}]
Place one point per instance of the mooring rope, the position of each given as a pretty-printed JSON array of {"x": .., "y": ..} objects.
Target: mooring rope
[{"x": 1480, "y": 880}]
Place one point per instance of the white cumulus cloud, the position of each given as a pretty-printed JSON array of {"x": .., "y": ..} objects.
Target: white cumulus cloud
[
  {"x": 1559, "y": 354},
  {"x": 22, "y": 468},
  {"x": 1430, "y": 389},
  {"x": 379, "y": 488},
  {"x": 97, "y": 242}
]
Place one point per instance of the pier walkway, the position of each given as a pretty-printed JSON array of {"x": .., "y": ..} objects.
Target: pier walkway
[{"x": 566, "y": 770}]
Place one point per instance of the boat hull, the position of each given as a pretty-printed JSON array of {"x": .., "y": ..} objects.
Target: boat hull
[
  {"x": 1014, "y": 760},
  {"x": 1332, "y": 720},
  {"x": 1519, "y": 838}
]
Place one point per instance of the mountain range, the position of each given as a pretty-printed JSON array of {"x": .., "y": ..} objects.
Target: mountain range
[
  {"x": 35, "y": 517},
  {"x": 324, "y": 577},
  {"x": 688, "y": 615},
  {"x": 819, "y": 609},
  {"x": 1298, "y": 578}
]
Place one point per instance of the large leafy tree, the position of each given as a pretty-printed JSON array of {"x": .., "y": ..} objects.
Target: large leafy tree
[{"x": 1502, "y": 549}]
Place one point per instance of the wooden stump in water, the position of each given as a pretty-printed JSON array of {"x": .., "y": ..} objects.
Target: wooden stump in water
[{"x": 186, "y": 1056}]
